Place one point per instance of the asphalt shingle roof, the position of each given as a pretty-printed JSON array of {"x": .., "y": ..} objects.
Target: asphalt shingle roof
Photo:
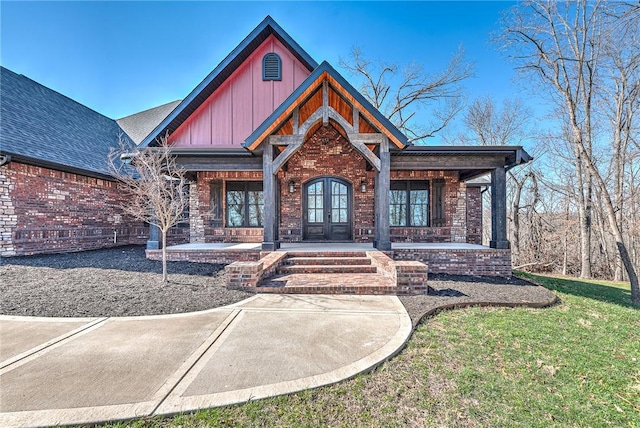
[
  {"x": 41, "y": 124},
  {"x": 139, "y": 125}
]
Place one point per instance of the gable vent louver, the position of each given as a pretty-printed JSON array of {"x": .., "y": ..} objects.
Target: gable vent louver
[{"x": 271, "y": 67}]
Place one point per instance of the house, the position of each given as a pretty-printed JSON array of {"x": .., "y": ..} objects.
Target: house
[{"x": 282, "y": 151}]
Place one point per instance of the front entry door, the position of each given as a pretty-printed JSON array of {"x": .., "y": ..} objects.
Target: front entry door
[{"x": 327, "y": 210}]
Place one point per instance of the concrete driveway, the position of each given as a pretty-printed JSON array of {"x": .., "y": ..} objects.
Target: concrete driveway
[{"x": 85, "y": 370}]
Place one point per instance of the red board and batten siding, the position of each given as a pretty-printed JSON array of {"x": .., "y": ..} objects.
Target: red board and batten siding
[{"x": 241, "y": 103}]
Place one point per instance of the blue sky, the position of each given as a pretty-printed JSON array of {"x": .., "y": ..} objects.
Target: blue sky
[{"x": 123, "y": 57}]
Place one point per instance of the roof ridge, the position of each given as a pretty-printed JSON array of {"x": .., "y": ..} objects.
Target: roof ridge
[{"x": 149, "y": 109}]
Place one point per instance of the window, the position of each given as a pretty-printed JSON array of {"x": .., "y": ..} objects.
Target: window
[
  {"x": 245, "y": 204},
  {"x": 409, "y": 203},
  {"x": 271, "y": 67}
]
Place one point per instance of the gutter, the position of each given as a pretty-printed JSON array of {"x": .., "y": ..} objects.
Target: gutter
[{"x": 5, "y": 158}]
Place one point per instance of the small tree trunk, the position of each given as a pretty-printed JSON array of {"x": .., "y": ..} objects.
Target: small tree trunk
[
  {"x": 633, "y": 277},
  {"x": 164, "y": 256},
  {"x": 565, "y": 243},
  {"x": 584, "y": 215}
]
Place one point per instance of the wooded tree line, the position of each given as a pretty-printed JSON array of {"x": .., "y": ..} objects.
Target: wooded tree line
[
  {"x": 581, "y": 200},
  {"x": 576, "y": 208}
]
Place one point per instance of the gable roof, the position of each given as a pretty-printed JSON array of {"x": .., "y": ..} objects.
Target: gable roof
[
  {"x": 219, "y": 74},
  {"x": 139, "y": 125},
  {"x": 322, "y": 72},
  {"x": 41, "y": 126}
]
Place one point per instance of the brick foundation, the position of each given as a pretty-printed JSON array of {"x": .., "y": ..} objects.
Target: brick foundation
[
  {"x": 206, "y": 256},
  {"x": 50, "y": 211},
  {"x": 486, "y": 261}
]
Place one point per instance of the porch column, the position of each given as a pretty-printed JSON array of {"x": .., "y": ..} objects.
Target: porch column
[
  {"x": 499, "y": 209},
  {"x": 270, "y": 234},
  {"x": 383, "y": 183},
  {"x": 154, "y": 238}
]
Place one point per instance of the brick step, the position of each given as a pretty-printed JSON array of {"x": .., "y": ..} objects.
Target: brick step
[
  {"x": 327, "y": 261},
  {"x": 326, "y": 269},
  {"x": 327, "y": 254},
  {"x": 360, "y": 283}
]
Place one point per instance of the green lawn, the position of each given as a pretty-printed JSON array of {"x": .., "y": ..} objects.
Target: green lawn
[{"x": 575, "y": 364}]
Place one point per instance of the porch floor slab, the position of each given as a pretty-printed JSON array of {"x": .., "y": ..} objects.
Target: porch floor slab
[{"x": 328, "y": 246}]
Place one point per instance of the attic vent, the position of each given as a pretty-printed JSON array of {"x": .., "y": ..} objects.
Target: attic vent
[{"x": 271, "y": 67}]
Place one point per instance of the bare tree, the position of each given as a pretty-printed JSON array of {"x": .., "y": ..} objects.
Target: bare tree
[
  {"x": 489, "y": 125},
  {"x": 561, "y": 44},
  {"x": 400, "y": 92},
  {"x": 155, "y": 187}
]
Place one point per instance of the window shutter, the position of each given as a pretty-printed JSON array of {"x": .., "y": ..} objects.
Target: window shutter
[
  {"x": 216, "y": 203},
  {"x": 438, "y": 219},
  {"x": 271, "y": 67}
]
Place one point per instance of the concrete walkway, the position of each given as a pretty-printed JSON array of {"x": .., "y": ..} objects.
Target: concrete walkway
[{"x": 60, "y": 371}]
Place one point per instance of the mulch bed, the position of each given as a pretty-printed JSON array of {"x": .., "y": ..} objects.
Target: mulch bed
[
  {"x": 122, "y": 282},
  {"x": 111, "y": 282},
  {"x": 459, "y": 291}
]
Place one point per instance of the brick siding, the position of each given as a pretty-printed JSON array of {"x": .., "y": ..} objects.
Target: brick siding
[
  {"x": 474, "y": 215},
  {"x": 49, "y": 211}
]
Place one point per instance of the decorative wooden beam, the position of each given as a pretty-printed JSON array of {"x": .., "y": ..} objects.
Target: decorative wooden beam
[
  {"x": 499, "y": 209},
  {"x": 382, "y": 186},
  {"x": 329, "y": 112},
  {"x": 368, "y": 154},
  {"x": 283, "y": 157},
  {"x": 356, "y": 119},
  {"x": 368, "y": 138},
  {"x": 446, "y": 162},
  {"x": 325, "y": 102},
  {"x": 283, "y": 140},
  {"x": 333, "y": 114},
  {"x": 269, "y": 234},
  {"x": 296, "y": 120}
]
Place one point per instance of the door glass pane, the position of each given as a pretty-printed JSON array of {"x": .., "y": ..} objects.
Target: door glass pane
[
  {"x": 419, "y": 207},
  {"x": 335, "y": 215},
  {"x": 315, "y": 202},
  {"x": 235, "y": 208},
  {"x": 397, "y": 208},
  {"x": 256, "y": 208},
  {"x": 339, "y": 202}
]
